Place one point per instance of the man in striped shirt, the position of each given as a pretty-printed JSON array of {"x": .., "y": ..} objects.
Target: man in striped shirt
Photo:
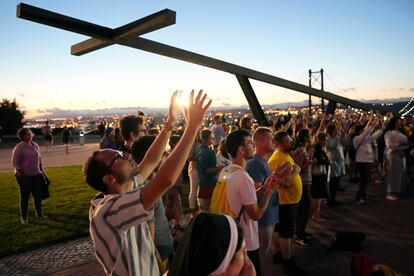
[{"x": 118, "y": 215}]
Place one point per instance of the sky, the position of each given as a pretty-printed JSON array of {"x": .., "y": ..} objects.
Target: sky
[{"x": 365, "y": 48}]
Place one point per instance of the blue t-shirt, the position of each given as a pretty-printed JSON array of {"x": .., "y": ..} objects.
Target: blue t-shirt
[
  {"x": 206, "y": 159},
  {"x": 259, "y": 170}
]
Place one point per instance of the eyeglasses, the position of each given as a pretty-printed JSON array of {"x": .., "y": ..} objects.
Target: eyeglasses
[{"x": 119, "y": 155}]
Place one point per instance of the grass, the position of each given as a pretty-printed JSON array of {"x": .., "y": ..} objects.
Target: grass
[{"x": 67, "y": 211}]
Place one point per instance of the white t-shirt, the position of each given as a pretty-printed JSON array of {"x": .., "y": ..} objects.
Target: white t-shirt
[{"x": 241, "y": 191}]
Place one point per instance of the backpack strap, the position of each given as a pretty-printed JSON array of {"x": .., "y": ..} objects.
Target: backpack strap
[{"x": 230, "y": 171}]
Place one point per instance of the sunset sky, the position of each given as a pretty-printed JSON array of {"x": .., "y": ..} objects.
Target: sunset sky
[{"x": 365, "y": 47}]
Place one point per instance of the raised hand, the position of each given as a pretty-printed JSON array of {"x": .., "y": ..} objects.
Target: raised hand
[
  {"x": 174, "y": 110},
  {"x": 197, "y": 108}
]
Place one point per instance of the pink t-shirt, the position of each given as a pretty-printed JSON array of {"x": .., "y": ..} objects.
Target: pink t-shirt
[
  {"x": 26, "y": 159},
  {"x": 241, "y": 191}
]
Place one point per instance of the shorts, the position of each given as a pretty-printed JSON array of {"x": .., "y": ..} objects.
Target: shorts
[
  {"x": 48, "y": 137},
  {"x": 205, "y": 192},
  {"x": 287, "y": 220},
  {"x": 319, "y": 188}
]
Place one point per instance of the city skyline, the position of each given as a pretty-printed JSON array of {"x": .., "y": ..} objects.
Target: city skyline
[{"x": 364, "y": 49}]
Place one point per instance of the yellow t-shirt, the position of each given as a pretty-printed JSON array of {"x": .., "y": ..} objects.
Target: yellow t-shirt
[{"x": 292, "y": 194}]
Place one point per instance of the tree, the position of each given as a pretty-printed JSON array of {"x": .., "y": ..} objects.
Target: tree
[{"x": 11, "y": 118}]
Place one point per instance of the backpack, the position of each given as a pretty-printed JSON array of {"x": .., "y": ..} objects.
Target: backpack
[
  {"x": 388, "y": 271},
  {"x": 219, "y": 202},
  {"x": 352, "y": 151},
  {"x": 348, "y": 241},
  {"x": 361, "y": 265}
]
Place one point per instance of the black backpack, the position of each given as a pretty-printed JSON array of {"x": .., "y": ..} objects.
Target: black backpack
[
  {"x": 351, "y": 149},
  {"x": 348, "y": 241},
  {"x": 352, "y": 152}
]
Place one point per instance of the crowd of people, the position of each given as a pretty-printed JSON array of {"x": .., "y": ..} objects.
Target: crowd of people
[{"x": 274, "y": 179}]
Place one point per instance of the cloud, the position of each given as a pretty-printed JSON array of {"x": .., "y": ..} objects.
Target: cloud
[
  {"x": 21, "y": 94},
  {"x": 345, "y": 90},
  {"x": 221, "y": 99},
  {"x": 401, "y": 89}
]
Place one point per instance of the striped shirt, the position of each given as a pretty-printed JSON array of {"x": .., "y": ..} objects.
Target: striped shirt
[{"x": 120, "y": 234}]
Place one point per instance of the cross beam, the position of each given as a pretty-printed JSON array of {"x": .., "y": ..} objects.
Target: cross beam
[
  {"x": 252, "y": 100},
  {"x": 141, "y": 26},
  {"x": 127, "y": 35}
]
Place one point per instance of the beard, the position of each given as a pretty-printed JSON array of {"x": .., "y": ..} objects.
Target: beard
[
  {"x": 249, "y": 155},
  {"x": 122, "y": 178}
]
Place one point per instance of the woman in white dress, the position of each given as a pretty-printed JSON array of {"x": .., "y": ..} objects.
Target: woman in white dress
[
  {"x": 396, "y": 144},
  {"x": 335, "y": 152}
]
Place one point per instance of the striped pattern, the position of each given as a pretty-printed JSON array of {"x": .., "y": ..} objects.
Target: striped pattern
[{"x": 120, "y": 234}]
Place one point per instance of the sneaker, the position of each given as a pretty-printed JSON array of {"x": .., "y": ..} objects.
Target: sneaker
[
  {"x": 277, "y": 258},
  {"x": 319, "y": 219},
  {"x": 303, "y": 242},
  {"x": 292, "y": 268},
  {"x": 391, "y": 197},
  {"x": 24, "y": 221},
  {"x": 41, "y": 217},
  {"x": 361, "y": 202},
  {"x": 325, "y": 216}
]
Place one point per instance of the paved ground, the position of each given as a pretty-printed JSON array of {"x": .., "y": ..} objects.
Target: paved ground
[
  {"x": 389, "y": 227},
  {"x": 50, "y": 259},
  {"x": 390, "y": 240},
  {"x": 57, "y": 157}
]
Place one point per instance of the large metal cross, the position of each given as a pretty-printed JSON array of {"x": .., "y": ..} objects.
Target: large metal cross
[{"x": 128, "y": 35}]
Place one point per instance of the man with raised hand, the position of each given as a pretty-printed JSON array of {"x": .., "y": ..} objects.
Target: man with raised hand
[{"x": 121, "y": 247}]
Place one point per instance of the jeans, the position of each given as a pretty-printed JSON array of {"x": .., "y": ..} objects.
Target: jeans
[
  {"x": 265, "y": 240},
  {"x": 333, "y": 188},
  {"x": 304, "y": 211},
  {"x": 30, "y": 185},
  {"x": 364, "y": 170}
]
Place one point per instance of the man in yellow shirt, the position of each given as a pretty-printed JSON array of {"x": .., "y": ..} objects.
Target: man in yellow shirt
[{"x": 289, "y": 197}]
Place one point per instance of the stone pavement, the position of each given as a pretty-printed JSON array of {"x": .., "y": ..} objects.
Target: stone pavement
[
  {"x": 389, "y": 227},
  {"x": 49, "y": 259}
]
